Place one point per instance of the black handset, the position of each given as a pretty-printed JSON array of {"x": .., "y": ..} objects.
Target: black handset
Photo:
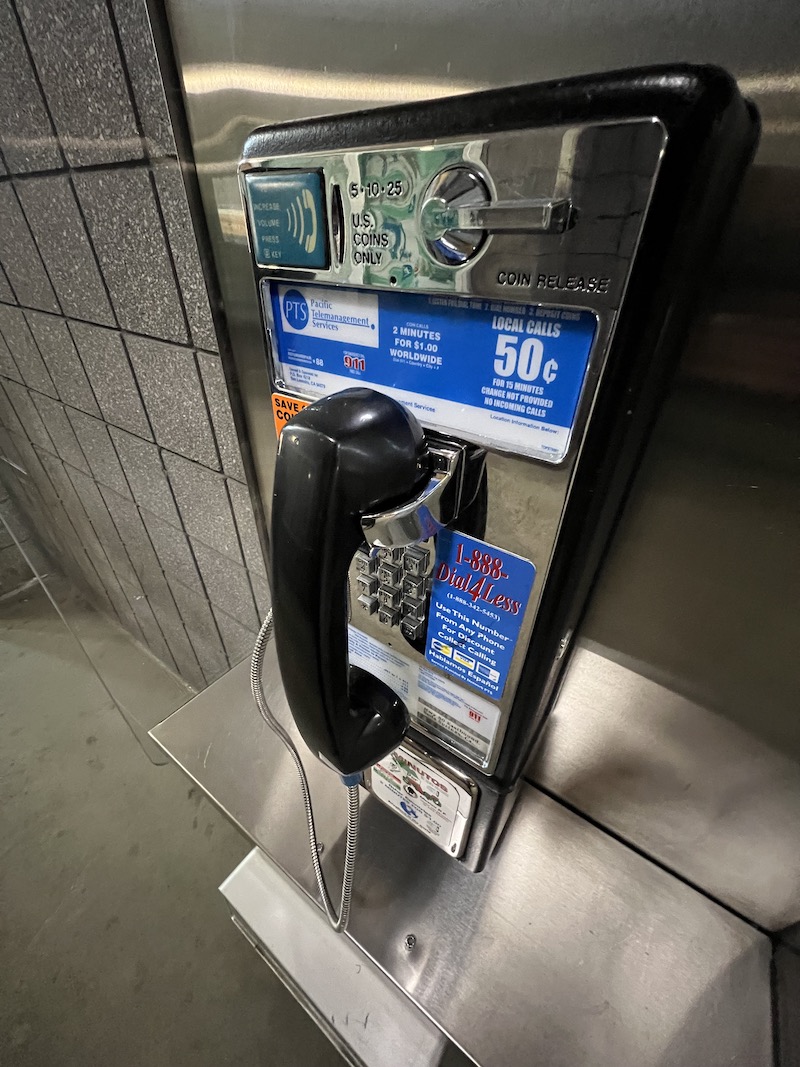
[{"x": 351, "y": 454}]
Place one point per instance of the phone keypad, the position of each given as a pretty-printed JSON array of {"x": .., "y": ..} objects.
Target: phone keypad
[{"x": 393, "y": 584}]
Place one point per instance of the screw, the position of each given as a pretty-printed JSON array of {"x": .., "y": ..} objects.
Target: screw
[
  {"x": 410, "y": 941},
  {"x": 563, "y": 644}
]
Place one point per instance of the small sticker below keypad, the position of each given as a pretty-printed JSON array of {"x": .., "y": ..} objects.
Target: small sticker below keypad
[{"x": 394, "y": 583}]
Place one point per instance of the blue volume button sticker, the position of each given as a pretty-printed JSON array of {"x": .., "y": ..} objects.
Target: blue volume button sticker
[
  {"x": 478, "y": 600},
  {"x": 502, "y": 374}
]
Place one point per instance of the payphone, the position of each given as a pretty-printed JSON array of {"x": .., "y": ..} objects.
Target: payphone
[{"x": 472, "y": 309}]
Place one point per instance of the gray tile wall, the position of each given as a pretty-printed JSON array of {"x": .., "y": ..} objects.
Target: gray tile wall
[
  {"x": 117, "y": 442},
  {"x": 15, "y": 570}
]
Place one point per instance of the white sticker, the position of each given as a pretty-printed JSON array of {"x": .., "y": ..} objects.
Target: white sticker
[
  {"x": 463, "y": 721},
  {"x": 351, "y": 320},
  {"x": 415, "y": 788}
]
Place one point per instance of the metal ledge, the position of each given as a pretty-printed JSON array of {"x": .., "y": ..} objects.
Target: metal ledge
[
  {"x": 569, "y": 949},
  {"x": 706, "y": 797},
  {"x": 366, "y": 1017}
]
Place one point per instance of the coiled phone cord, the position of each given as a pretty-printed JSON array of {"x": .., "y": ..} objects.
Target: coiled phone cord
[{"x": 338, "y": 922}]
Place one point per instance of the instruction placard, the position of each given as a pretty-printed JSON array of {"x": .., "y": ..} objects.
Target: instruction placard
[
  {"x": 478, "y": 598},
  {"x": 494, "y": 372},
  {"x": 462, "y": 720},
  {"x": 418, "y": 790}
]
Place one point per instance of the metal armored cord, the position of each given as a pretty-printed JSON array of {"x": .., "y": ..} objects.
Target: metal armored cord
[{"x": 338, "y": 922}]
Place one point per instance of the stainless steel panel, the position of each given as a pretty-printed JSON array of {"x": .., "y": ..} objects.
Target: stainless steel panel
[
  {"x": 791, "y": 935},
  {"x": 693, "y": 789},
  {"x": 702, "y": 585},
  {"x": 569, "y": 949},
  {"x": 698, "y": 591},
  {"x": 362, "y": 1012}
]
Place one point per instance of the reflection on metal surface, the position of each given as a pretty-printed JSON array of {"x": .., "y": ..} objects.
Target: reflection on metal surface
[
  {"x": 702, "y": 582},
  {"x": 204, "y": 78},
  {"x": 569, "y": 949},
  {"x": 110, "y": 657},
  {"x": 770, "y": 83},
  {"x": 689, "y": 787}
]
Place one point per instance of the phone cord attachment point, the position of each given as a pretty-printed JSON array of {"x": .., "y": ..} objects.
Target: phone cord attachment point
[{"x": 351, "y": 781}]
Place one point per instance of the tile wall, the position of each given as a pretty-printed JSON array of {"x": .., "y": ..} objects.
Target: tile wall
[
  {"x": 116, "y": 434},
  {"x": 16, "y": 538}
]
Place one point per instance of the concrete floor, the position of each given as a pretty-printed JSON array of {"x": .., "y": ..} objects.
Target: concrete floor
[{"x": 116, "y": 947}]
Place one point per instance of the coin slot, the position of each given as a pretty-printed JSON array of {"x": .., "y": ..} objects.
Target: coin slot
[{"x": 337, "y": 223}]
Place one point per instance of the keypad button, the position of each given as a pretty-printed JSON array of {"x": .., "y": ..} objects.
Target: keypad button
[
  {"x": 368, "y": 584},
  {"x": 414, "y": 587},
  {"x": 365, "y": 564},
  {"x": 393, "y": 583},
  {"x": 412, "y": 628},
  {"x": 390, "y": 555},
  {"x": 413, "y": 609},
  {"x": 368, "y": 604},
  {"x": 415, "y": 560},
  {"x": 389, "y": 574},
  {"x": 390, "y": 598}
]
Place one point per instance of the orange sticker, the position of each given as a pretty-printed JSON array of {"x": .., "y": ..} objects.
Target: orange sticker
[{"x": 285, "y": 408}]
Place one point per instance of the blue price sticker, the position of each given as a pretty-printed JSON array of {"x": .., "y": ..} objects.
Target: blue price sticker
[
  {"x": 478, "y": 600},
  {"x": 497, "y": 373}
]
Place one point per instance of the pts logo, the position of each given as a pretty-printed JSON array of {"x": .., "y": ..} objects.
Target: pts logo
[{"x": 295, "y": 309}]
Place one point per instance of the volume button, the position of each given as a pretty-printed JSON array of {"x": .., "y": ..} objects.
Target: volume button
[{"x": 337, "y": 224}]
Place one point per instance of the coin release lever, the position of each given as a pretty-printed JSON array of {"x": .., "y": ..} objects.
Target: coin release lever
[
  {"x": 543, "y": 215},
  {"x": 457, "y": 215}
]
